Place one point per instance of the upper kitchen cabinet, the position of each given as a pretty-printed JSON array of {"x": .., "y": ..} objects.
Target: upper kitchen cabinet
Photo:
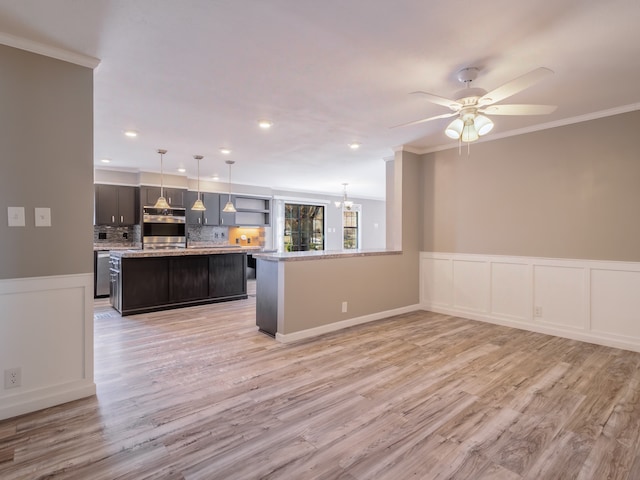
[
  {"x": 116, "y": 205},
  {"x": 250, "y": 211},
  {"x": 175, "y": 196},
  {"x": 211, "y": 216}
]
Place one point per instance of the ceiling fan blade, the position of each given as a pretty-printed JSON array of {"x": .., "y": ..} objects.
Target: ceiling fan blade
[
  {"x": 514, "y": 86},
  {"x": 522, "y": 109},
  {"x": 445, "y": 102},
  {"x": 416, "y": 122}
]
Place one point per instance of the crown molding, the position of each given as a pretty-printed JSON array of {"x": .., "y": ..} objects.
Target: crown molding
[{"x": 48, "y": 50}]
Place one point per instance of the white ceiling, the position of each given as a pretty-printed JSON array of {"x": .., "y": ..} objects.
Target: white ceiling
[{"x": 196, "y": 75}]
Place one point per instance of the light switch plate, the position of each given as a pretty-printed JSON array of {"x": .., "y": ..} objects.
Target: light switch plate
[
  {"x": 16, "y": 216},
  {"x": 43, "y": 217}
]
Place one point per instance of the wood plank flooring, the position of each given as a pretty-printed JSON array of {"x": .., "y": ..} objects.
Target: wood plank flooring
[{"x": 199, "y": 393}]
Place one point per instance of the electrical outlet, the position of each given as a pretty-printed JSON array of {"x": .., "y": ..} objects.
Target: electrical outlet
[
  {"x": 344, "y": 307},
  {"x": 537, "y": 311},
  {"x": 12, "y": 377}
]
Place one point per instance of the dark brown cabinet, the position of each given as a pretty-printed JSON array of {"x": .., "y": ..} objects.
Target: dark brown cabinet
[
  {"x": 116, "y": 205},
  {"x": 228, "y": 275},
  {"x": 175, "y": 196},
  {"x": 211, "y": 216},
  {"x": 146, "y": 284}
]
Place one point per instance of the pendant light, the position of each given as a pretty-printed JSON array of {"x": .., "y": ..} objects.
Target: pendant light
[
  {"x": 229, "y": 208},
  {"x": 198, "y": 205},
  {"x": 345, "y": 202},
  {"x": 161, "y": 202}
]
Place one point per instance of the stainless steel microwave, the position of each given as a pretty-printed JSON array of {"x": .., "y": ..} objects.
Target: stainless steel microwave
[{"x": 163, "y": 228}]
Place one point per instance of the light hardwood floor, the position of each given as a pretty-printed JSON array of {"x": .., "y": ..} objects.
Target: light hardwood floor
[{"x": 199, "y": 393}]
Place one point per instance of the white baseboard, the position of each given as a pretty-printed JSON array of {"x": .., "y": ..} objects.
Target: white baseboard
[
  {"x": 585, "y": 300},
  {"x": 46, "y": 330},
  {"x": 46, "y": 397},
  {"x": 332, "y": 327}
]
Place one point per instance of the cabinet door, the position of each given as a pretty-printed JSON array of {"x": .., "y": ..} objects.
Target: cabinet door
[
  {"x": 212, "y": 203},
  {"x": 189, "y": 278},
  {"x": 149, "y": 195},
  {"x": 106, "y": 204},
  {"x": 226, "y": 219},
  {"x": 194, "y": 217},
  {"x": 128, "y": 211},
  {"x": 144, "y": 282},
  {"x": 227, "y": 274},
  {"x": 175, "y": 197}
]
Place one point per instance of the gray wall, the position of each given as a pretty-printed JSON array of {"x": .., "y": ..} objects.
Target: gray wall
[
  {"x": 567, "y": 192},
  {"x": 46, "y": 146}
]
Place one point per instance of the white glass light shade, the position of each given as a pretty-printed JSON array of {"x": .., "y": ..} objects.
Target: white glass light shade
[
  {"x": 469, "y": 133},
  {"x": 483, "y": 124},
  {"x": 198, "y": 206},
  {"x": 229, "y": 208},
  {"x": 454, "y": 130}
]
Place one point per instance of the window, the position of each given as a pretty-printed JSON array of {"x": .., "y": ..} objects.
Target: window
[
  {"x": 303, "y": 227},
  {"x": 350, "y": 229}
]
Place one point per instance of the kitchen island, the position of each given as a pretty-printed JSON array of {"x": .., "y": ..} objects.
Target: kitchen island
[{"x": 150, "y": 280}]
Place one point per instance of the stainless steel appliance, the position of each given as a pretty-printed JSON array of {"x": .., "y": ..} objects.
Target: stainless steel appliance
[
  {"x": 102, "y": 274},
  {"x": 163, "y": 228}
]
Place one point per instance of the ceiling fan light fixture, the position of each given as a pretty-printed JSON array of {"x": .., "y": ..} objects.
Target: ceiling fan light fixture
[
  {"x": 469, "y": 133},
  {"x": 483, "y": 124},
  {"x": 454, "y": 130}
]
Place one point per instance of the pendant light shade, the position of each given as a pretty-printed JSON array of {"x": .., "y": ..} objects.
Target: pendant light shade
[
  {"x": 229, "y": 208},
  {"x": 161, "y": 202},
  {"x": 198, "y": 206}
]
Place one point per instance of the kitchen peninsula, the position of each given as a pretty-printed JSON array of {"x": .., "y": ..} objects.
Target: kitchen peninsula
[
  {"x": 150, "y": 280},
  {"x": 303, "y": 294}
]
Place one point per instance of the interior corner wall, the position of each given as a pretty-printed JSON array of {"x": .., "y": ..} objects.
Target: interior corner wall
[
  {"x": 46, "y": 272},
  {"x": 567, "y": 192}
]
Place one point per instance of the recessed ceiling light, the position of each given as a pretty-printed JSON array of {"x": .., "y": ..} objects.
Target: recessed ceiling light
[
  {"x": 215, "y": 176},
  {"x": 105, "y": 160},
  {"x": 131, "y": 133},
  {"x": 265, "y": 124},
  {"x": 225, "y": 151},
  {"x": 182, "y": 169},
  {"x": 354, "y": 146}
]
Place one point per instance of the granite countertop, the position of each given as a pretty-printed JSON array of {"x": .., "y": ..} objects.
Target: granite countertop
[
  {"x": 177, "y": 252},
  {"x": 320, "y": 254}
]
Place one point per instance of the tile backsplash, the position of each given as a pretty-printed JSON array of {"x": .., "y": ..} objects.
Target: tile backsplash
[
  {"x": 207, "y": 234},
  {"x": 128, "y": 235}
]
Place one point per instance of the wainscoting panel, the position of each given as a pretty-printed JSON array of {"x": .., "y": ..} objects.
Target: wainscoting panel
[
  {"x": 46, "y": 330},
  {"x": 470, "y": 290},
  {"x": 593, "y": 301},
  {"x": 436, "y": 281},
  {"x": 510, "y": 292},
  {"x": 615, "y": 302},
  {"x": 559, "y": 295}
]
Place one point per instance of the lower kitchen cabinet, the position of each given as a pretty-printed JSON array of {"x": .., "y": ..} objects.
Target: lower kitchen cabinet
[
  {"x": 228, "y": 275},
  {"x": 147, "y": 284}
]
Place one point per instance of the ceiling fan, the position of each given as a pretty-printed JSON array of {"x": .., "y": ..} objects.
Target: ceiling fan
[{"x": 471, "y": 105}]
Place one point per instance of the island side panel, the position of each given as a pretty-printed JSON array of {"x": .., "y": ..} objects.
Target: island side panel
[{"x": 267, "y": 296}]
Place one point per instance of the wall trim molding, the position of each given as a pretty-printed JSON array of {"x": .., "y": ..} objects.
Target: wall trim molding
[
  {"x": 592, "y": 301},
  {"x": 332, "y": 327}
]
